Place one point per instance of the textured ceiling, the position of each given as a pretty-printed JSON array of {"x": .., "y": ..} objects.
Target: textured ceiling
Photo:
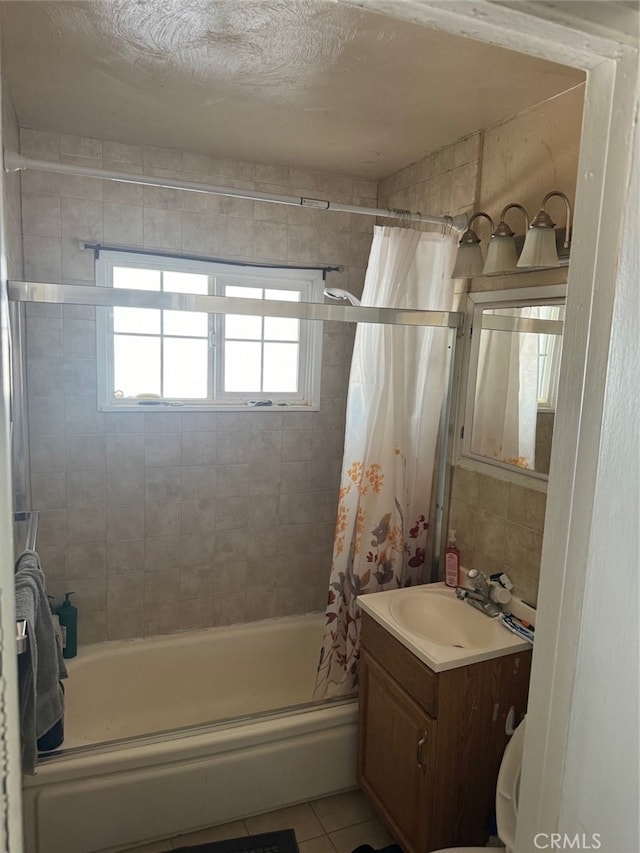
[{"x": 311, "y": 83}]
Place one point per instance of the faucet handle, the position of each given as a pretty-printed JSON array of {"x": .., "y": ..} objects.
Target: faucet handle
[{"x": 472, "y": 573}]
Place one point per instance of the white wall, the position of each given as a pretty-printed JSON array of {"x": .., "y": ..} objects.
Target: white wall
[{"x": 601, "y": 790}]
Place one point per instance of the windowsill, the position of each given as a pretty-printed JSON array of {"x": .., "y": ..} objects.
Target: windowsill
[{"x": 194, "y": 407}]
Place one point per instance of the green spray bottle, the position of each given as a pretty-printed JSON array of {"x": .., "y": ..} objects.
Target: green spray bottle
[{"x": 68, "y": 615}]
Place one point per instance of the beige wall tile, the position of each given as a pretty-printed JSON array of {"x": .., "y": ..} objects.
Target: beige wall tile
[
  {"x": 44, "y": 376},
  {"x": 163, "y": 484},
  {"x": 200, "y": 516},
  {"x": 162, "y": 519},
  {"x": 126, "y": 522},
  {"x": 122, "y": 151},
  {"x": 81, "y": 416},
  {"x": 125, "y": 451},
  {"x": 163, "y": 450},
  {"x": 87, "y": 559},
  {"x": 123, "y": 224},
  {"x": 49, "y": 490},
  {"x": 125, "y": 625},
  {"x": 44, "y": 337},
  {"x": 85, "y": 452},
  {"x": 228, "y": 609},
  {"x": 92, "y": 627},
  {"x": 199, "y": 448},
  {"x": 79, "y": 377},
  {"x": 42, "y": 258},
  {"x": 527, "y": 507},
  {"x": 462, "y": 519},
  {"x": 125, "y": 556},
  {"x": 74, "y": 186},
  {"x": 162, "y": 228},
  {"x": 125, "y": 592},
  {"x": 125, "y": 486},
  {"x": 523, "y": 549},
  {"x": 86, "y": 488},
  {"x": 47, "y": 454},
  {"x": 493, "y": 495},
  {"x": 490, "y": 535},
  {"x": 41, "y": 215},
  {"x": 87, "y": 525},
  {"x": 199, "y": 483},
  {"x": 161, "y": 587}
]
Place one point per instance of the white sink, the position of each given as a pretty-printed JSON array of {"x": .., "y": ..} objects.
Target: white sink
[
  {"x": 438, "y": 628},
  {"x": 444, "y": 620}
]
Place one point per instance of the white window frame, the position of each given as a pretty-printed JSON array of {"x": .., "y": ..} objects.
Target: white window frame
[{"x": 309, "y": 283}]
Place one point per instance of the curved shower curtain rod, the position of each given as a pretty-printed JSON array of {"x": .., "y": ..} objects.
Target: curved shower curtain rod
[{"x": 15, "y": 162}]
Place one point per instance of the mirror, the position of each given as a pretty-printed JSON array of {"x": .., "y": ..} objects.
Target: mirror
[{"x": 514, "y": 364}]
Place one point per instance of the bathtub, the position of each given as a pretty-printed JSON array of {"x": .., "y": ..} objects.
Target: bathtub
[{"x": 171, "y": 734}]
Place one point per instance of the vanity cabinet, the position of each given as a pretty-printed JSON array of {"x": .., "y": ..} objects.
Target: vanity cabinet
[{"x": 430, "y": 744}]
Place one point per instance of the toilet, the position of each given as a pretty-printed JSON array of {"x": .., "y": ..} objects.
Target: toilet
[{"x": 507, "y": 794}]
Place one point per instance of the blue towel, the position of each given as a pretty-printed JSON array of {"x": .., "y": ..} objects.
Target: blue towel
[{"x": 41, "y": 667}]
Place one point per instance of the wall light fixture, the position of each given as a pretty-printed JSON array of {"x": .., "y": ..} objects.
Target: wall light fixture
[
  {"x": 539, "y": 248},
  {"x": 469, "y": 257},
  {"x": 502, "y": 254}
]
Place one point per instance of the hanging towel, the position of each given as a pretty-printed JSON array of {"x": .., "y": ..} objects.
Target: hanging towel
[{"x": 41, "y": 667}]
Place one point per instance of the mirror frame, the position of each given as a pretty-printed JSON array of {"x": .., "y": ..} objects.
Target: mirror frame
[{"x": 477, "y": 302}]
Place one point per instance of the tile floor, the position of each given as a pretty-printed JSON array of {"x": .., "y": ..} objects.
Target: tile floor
[{"x": 333, "y": 824}]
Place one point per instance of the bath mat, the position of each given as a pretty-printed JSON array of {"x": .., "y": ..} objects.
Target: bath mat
[
  {"x": 283, "y": 841},
  {"x": 367, "y": 848}
]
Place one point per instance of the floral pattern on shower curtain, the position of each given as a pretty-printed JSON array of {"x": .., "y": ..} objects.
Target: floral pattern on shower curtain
[{"x": 396, "y": 389}]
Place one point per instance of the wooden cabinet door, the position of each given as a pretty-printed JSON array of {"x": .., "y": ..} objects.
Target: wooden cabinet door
[{"x": 396, "y": 756}]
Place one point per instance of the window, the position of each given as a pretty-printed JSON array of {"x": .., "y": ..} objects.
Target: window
[
  {"x": 152, "y": 356},
  {"x": 549, "y": 352}
]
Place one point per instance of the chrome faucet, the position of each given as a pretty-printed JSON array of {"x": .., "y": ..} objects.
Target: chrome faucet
[{"x": 480, "y": 596}]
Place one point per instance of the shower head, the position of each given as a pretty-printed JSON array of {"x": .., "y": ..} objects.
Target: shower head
[{"x": 338, "y": 293}]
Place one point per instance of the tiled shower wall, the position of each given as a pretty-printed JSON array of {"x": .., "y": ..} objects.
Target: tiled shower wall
[
  {"x": 499, "y": 528},
  {"x": 164, "y": 521}
]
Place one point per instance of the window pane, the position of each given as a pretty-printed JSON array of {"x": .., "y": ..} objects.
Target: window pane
[
  {"x": 192, "y": 324},
  {"x": 144, "y": 321},
  {"x": 243, "y": 327},
  {"x": 242, "y": 366},
  {"x": 243, "y": 292},
  {"x": 185, "y": 368},
  {"x": 281, "y": 329},
  {"x": 185, "y": 282},
  {"x": 136, "y": 365},
  {"x": 280, "y": 367},
  {"x": 283, "y": 295},
  {"x": 138, "y": 279}
]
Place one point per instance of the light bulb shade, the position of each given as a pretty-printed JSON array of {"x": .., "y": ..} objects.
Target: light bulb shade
[
  {"x": 501, "y": 255},
  {"x": 468, "y": 261},
  {"x": 539, "y": 248}
]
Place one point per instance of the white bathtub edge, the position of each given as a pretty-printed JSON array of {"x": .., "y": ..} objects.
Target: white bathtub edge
[{"x": 165, "y": 795}]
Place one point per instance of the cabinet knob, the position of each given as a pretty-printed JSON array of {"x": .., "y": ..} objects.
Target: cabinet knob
[{"x": 421, "y": 743}]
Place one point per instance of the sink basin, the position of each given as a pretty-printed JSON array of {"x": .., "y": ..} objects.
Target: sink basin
[
  {"x": 444, "y": 620},
  {"x": 441, "y": 630}
]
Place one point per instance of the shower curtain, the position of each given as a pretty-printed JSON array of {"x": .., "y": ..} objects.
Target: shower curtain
[
  {"x": 396, "y": 390},
  {"x": 506, "y": 401},
  {"x": 505, "y": 411}
]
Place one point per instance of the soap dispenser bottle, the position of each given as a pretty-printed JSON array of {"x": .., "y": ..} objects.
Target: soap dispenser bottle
[
  {"x": 452, "y": 562},
  {"x": 68, "y": 615}
]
